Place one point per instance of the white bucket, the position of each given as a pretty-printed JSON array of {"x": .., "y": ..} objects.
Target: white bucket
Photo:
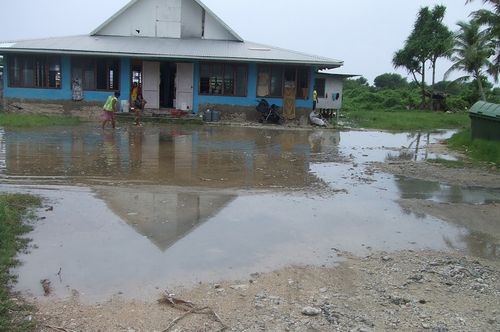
[
  {"x": 184, "y": 107},
  {"x": 125, "y": 106}
]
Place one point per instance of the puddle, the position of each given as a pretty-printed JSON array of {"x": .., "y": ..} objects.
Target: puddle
[
  {"x": 442, "y": 193},
  {"x": 203, "y": 156},
  {"x": 143, "y": 210},
  {"x": 136, "y": 241}
]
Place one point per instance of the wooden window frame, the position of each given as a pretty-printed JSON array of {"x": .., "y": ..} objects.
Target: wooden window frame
[
  {"x": 307, "y": 88},
  {"x": 269, "y": 69},
  {"x": 44, "y": 61},
  {"x": 284, "y": 68},
  {"x": 235, "y": 78},
  {"x": 110, "y": 63}
]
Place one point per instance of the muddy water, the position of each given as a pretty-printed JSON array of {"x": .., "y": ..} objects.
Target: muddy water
[{"x": 144, "y": 209}]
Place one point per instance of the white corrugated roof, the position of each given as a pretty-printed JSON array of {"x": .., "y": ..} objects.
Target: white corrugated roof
[{"x": 167, "y": 48}]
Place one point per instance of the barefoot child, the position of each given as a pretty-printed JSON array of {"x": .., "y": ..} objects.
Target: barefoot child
[{"x": 109, "y": 109}]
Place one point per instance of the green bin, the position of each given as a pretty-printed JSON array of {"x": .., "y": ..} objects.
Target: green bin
[{"x": 485, "y": 120}]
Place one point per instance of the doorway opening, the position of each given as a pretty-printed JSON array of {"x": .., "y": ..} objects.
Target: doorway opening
[
  {"x": 168, "y": 71},
  {"x": 136, "y": 74}
]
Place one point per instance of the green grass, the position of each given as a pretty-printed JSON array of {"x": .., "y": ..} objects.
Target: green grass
[
  {"x": 476, "y": 149},
  {"x": 448, "y": 163},
  {"x": 14, "y": 209},
  {"x": 35, "y": 120},
  {"x": 406, "y": 120}
]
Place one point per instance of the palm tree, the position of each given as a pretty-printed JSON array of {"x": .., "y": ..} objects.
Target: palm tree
[
  {"x": 491, "y": 20},
  {"x": 471, "y": 52}
]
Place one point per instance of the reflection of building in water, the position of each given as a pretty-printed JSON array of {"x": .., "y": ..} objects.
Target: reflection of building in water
[
  {"x": 3, "y": 155},
  {"x": 205, "y": 156},
  {"x": 222, "y": 157},
  {"x": 324, "y": 141},
  {"x": 163, "y": 216}
]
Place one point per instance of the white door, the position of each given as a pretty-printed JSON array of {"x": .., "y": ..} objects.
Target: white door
[
  {"x": 184, "y": 81},
  {"x": 151, "y": 84}
]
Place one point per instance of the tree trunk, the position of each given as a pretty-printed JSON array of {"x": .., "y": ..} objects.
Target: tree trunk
[
  {"x": 480, "y": 85},
  {"x": 433, "y": 82},
  {"x": 417, "y": 146},
  {"x": 423, "y": 85},
  {"x": 414, "y": 77}
]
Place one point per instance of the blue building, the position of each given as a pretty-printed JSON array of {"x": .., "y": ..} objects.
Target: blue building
[{"x": 179, "y": 53}]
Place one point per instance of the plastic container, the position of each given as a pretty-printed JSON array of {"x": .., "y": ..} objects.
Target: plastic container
[
  {"x": 207, "y": 116},
  {"x": 125, "y": 106},
  {"x": 215, "y": 116}
]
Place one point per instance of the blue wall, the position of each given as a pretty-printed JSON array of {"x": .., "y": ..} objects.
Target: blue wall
[
  {"x": 100, "y": 96},
  {"x": 124, "y": 85},
  {"x": 251, "y": 99},
  {"x": 64, "y": 93}
]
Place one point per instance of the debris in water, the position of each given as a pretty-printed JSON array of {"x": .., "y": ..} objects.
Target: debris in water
[{"x": 46, "y": 286}]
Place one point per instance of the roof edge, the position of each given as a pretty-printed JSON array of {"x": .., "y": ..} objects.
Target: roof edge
[
  {"x": 115, "y": 15},
  {"x": 218, "y": 19},
  {"x": 341, "y": 62},
  {"x": 338, "y": 74},
  {"x": 319, "y": 63}
]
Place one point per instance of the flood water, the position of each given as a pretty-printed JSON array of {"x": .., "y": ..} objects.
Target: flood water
[{"x": 140, "y": 210}]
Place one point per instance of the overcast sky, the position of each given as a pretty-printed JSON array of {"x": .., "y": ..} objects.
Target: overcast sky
[{"x": 362, "y": 33}]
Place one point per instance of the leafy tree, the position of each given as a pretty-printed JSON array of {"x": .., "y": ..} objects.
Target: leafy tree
[
  {"x": 356, "y": 84},
  {"x": 390, "y": 81},
  {"x": 361, "y": 81},
  {"x": 449, "y": 87},
  {"x": 417, "y": 45},
  {"x": 440, "y": 43},
  {"x": 429, "y": 40},
  {"x": 471, "y": 53},
  {"x": 403, "y": 59},
  {"x": 491, "y": 20}
]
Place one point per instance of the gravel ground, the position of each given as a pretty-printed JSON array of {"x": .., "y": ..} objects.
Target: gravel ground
[{"x": 405, "y": 291}]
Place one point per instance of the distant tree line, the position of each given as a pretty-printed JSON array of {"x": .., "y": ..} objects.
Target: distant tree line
[
  {"x": 392, "y": 92},
  {"x": 474, "y": 50}
]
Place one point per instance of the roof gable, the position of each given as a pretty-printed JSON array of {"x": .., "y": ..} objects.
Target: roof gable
[{"x": 166, "y": 19}]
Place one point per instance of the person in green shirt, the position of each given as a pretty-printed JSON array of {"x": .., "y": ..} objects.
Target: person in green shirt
[{"x": 109, "y": 109}]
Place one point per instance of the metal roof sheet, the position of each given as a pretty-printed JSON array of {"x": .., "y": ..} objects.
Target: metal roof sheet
[
  {"x": 484, "y": 109},
  {"x": 167, "y": 48},
  {"x": 336, "y": 74}
]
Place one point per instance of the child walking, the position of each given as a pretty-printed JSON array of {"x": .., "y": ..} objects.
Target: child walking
[{"x": 109, "y": 109}]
